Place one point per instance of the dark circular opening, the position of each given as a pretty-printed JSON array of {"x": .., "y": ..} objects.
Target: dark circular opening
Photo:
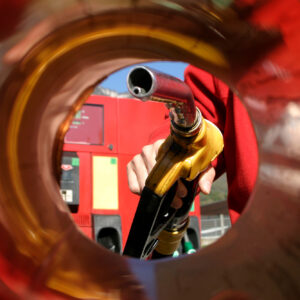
[{"x": 140, "y": 81}]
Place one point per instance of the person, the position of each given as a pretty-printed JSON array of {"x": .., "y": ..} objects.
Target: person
[{"x": 239, "y": 158}]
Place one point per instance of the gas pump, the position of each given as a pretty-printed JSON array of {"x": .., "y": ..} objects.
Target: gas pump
[{"x": 101, "y": 140}]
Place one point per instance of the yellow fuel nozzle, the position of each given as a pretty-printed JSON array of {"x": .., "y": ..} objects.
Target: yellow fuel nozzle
[
  {"x": 193, "y": 143},
  {"x": 190, "y": 148}
]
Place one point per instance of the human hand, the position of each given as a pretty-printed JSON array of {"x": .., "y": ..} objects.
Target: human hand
[{"x": 141, "y": 165}]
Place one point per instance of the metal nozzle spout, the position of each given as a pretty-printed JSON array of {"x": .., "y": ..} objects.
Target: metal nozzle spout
[{"x": 147, "y": 84}]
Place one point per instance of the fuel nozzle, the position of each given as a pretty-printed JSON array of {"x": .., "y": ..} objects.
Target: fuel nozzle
[{"x": 192, "y": 145}]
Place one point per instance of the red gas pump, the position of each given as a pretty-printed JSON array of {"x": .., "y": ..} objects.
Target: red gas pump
[{"x": 103, "y": 137}]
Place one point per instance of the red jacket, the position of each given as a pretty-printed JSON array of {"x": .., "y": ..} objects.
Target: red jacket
[{"x": 240, "y": 156}]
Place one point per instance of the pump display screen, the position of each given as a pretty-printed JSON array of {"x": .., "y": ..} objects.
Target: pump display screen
[{"x": 87, "y": 126}]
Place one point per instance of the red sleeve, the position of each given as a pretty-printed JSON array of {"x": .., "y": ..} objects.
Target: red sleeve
[{"x": 240, "y": 156}]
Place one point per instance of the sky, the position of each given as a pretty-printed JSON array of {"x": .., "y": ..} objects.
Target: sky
[{"x": 117, "y": 81}]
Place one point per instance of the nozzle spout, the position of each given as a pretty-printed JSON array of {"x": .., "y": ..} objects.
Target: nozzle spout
[{"x": 148, "y": 84}]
